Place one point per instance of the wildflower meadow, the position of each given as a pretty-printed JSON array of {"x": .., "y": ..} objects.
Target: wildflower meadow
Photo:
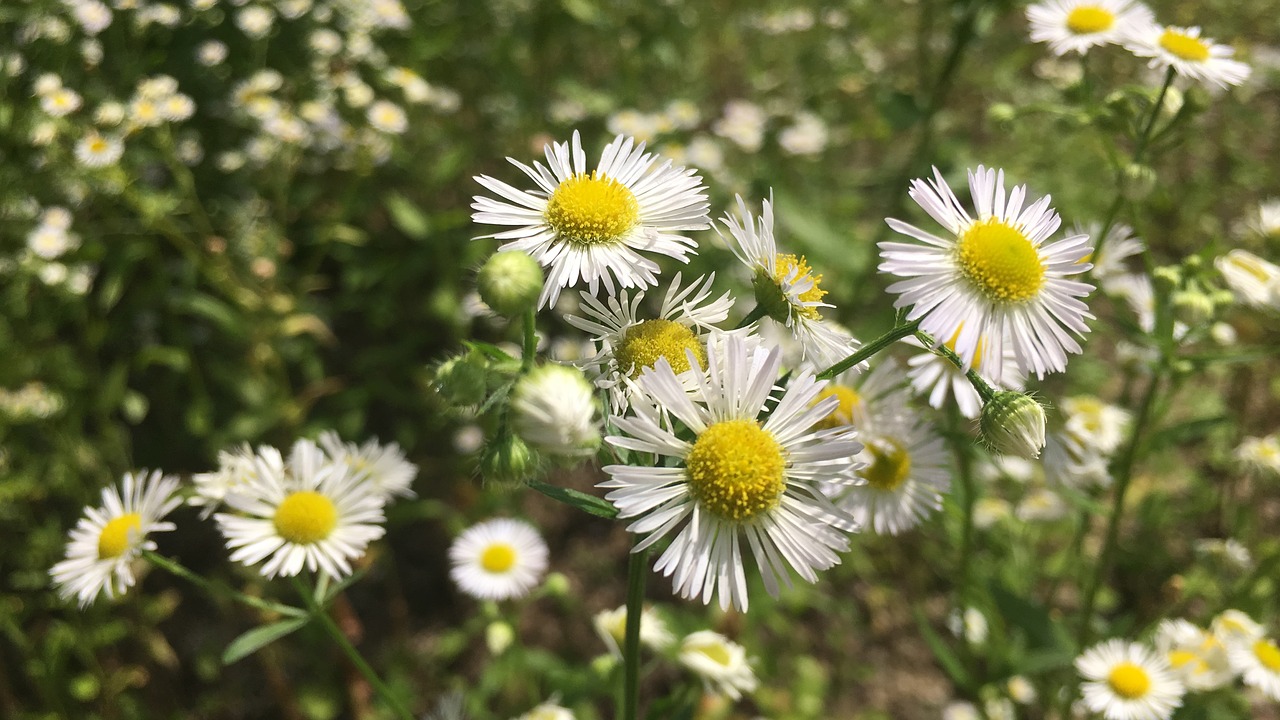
[{"x": 688, "y": 360}]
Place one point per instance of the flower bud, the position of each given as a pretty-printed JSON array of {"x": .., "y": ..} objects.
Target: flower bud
[
  {"x": 507, "y": 461},
  {"x": 557, "y": 585},
  {"x": 462, "y": 380},
  {"x": 1192, "y": 306},
  {"x": 510, "y": 282},
  {"x": 1169, "y": 275},
  {"x": 1137, "y": 182},
  {"x": 1002, "y": 113},
  {"x": 554, "y": 410},
  {"x": 1013, "y": 424},
  {"x": 498, "y": 637}
]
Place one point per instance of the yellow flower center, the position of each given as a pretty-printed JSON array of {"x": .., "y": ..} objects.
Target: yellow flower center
[
  {"x": 843, "y": 414},
  {"x": 305, "y": 517},
  {"x": 718, "y": 653},
  {"x": 1268, "y": 654},
  {"x": 977, "y": 351},
  {"x": 890, "y": 465},
  {"x": 1184, "y": 46},
  {"x": 97, "y": 146},
  {"x": 592, "y": 209},
  {"x": 645, "y": 342},
  {"x": 784, "y": 264},
  {"x": 1129, "y": 681},
  {"x": 114, "y": 539},
  {"x": 1088, "y": 19},
  {"x": 1179, "y": 659},
  {"x": 1000, "y": 261},
  {"x": 736, "y": 470},
  {"x": 498, "y": 558}
]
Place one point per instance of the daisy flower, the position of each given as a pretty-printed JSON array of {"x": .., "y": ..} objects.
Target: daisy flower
[
  {"x": 498, "y": 559},
  {"x": 1096, "y": 424},
  {"x": 737, "y": 478},
  {"x": 937, "y": 377},
  {"x": 1119, "y": 245},
  {"x": 1258, "y": 663},
  {"x": 1077, "y": 25},
  {"x": 316, "y": 513},
  {"x": 590, "y": 226},
  {"x": 553, "y": 408},
  {"x": 611, "y": 626},
  {"x": 236, "y": 467},
  {"x": 786, "y": 287},
  {"x": 1233, "y": 627},
  {"x": 1260, "y": 454},
  {"x": 905, "y": 472},
  {"x": 1253, "y": 280},
  {"x": 1197, "y": 658},
  {"x": 992, "y": 278},
  {"x": 95, "y": 151},
  {"x": 863, "y": 395},
  {"x": 629, "y": 345},
  {"x": 106, "y": 541},
  {"x": 1128, "y": 681},
  {"x": 721, "y": 663},
  {"x": 383, "y": 466},
  {"x": 1189, "y": 54}
]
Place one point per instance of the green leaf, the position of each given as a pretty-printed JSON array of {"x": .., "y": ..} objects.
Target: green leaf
[
  {"x": 408, "y": 217},
  {"x": 946, "y": 658},
  {"x": 589, "y": 504},
  {"x": 1030, "y": 617},
  {"x": 1187, "y": 431},
  {"x": 260, "y": 637}
]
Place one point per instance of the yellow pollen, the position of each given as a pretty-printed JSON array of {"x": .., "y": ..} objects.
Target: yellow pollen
[
  {"x": 645, "y": 342},
  {"x": 850, "y": 406},
  {"x": 736, "y": 470},
  {"x": 592, "y": 209},
  {"x": 1129, "y": 681},
  {"x": 498, "y": 558},
  {"x": 97, "y": 145},
  {"x": 114, "y": 539},
  {"x": 305, "y": 517},
  {"x": 718, "y": 653},
  {"x": 1268, "y": 654},
  {"x": 890, "y": 465},
  {"x": 1000, "y": 261},
  {"x": 784, "y": 264},
  {"x": 1181, "y": 658},
  {"x": 1184, "y": 46},
  {"x": 1088, "y": 19}
]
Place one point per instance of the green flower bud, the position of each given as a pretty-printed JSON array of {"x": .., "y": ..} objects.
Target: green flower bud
[
  {"x": 462, "y": 380},
  {"x": 1002, "y": 113},
  {"x": 553, "y": 408},
  {"x": 1169, "y": 275},
  {"x": 557, "y": 585},
  {"x": 510, "y": 283},
  {"x": 1192, "y": 306},
  {"x": 498, "y": 637},
  {"x": 1137, "y": 182},
  {"x": 507, "y": 461},
  {"x": 1013, "y": 424}
]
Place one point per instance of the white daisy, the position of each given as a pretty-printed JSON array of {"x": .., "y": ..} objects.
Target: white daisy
[
  {"x": 1041, "y": 505},
  {"x": 786, "y": 287},
  {"x": 1188, "y": 54},
  {"x": 236, "y": 467},
  {"x": 1070, "y": 462},
  {"x": 1112, "y": 252},
  {"x": 498, "y": 559},
  {"x": 385, "y": 116},
  {"x": 107, "y": 540},
  {"x": 61, "y": 102},
  {"x": 548, "y": 711},
  {"x": 937, "y": 377},
  {"x": 591, "y": 226},
  {"x": 1096, "y": 424},
  {"x": 1128, "y": 681},
  {"x": 49, "y": 241},
  {"x": 314, "y": 513},
  {"x": 1197, "y": 658},
  {"x": 1253, "y": 280},
  {"x": 383, "y": 466},
  {"x": 1233, "y": 627},
  {"x": 1077, "y": 25},
  {"x": 721, "y": 663},
  {"x": 994, "y": 277},
  {"x": 628, "y": 345},
  {"x": 553, "y": 408},
  {"x": 611, "y": 626},
  {"x": 905, "y": 472},
  {"x": 1260, "y": 454},
  {"x": 95, "y": 150},
  {"x": 738, "y": 477},
  {"x": 863, "y": 396},
  {"x": 1258, "y": 663}
]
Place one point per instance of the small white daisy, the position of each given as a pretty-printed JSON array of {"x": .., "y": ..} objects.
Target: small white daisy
[
  {"x": 385, "y": 116},
  {"x": 1233, "y": 627},
  {"x": 95, "y": 150},
  {"x": 863, "y": 396},
  {"x": 1096, "y": 424},
  {"x": 314, "y": 513},
  {"x": 498, "y": 559},
  {"x": 786, "y": 287},
  {"x": 592, "y": 227},
  {"x": 383, "y": 466},
  {"x": 61, "y": 102},
  {"x": 721, "y": 663},
  {"x": 49, "y": 242},
  {"x": 1189, "y": 54},
  {"x": 1069, "y": 462},
  {"x": 1258, "y": 663},
  {"x": 1128, "y": 681},
  {"x": 1253, "y": 280},
  {"x": 176, "y": 107},
  {"x": 611, "y": 626},
  {"x": 1197, "y": 658},
  {"x": 1041, "y": 505},
  {"x": 106, "y": 541},
  {"x": 236, "y": 467},
  {"x": 938, "y": 378},
  {"x": 548, "y": 711},
  {"x": 993, "y": 278},
  {"x": 1109, "y": 260},
  {"x": 738, "y": 479},
  {"x": 1077, "y": 25},
  {"x": 905, "y": 473},
  {"x": 628, "y": 345},
  {"x": 1260, "y": 454},
  {"x": 553, "y": 408}
]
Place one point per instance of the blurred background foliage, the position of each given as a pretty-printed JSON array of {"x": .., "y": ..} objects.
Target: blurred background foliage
[{"x": 242, "y": 286}]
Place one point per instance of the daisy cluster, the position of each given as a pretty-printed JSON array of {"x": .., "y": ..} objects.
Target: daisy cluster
[
  {"x": 1147, "y": 681},
  {"x": 318, "y": 508}
]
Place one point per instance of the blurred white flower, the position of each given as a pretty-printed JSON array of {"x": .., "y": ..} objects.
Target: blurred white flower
[
  {"x": 1095, "y": 423},
  {"x": 971, "y": 625},
  {"x": 49, "y": 242},
  {"x": 806, "y": 136},
  {"x": 60, "y": 102},
  {"x": 611, "y": 626},
  {"x": 742, "y": 123},
  {"x": 554, "y": 410},
  {"x": 1254, "y": 281},
  {"x": 721, "y": 663},
  {"x": 1260, "y": 454},
  {"x": 1041, "y": 505},
  {"x": 387, "y": 117},
  {"x": 211, "y": 53},
  {"x": 255, "y": 21},
  {"x": 95, "y": 151},
  {"x": 93, "y": 16}
]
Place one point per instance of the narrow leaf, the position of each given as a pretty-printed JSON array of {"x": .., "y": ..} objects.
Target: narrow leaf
[
  {"x": 586, "y": 503},
  {"x": 260, "y": 637},
  {"x": 946, "y": 658}
]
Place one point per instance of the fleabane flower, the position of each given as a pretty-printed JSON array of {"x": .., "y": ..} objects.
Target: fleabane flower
[
  {"x": 1095, "y": 423},
  {"x": 1260, "y": 454},
  {"x": 738, "y": 479},
  {"x": 1189, "y": 54},
  {"x": 236, "y": 467},
  {"x": 628, "y": 344},
  {"x": 384, "y": 467},
  {"x": 721, "y": 663},
  {"x": 106, "y": 541},
  {"x": 993, "y": 278},
  {"x": 1253, "y": 280},
  {"x": 95, "y": 150},
  {"x": 938, "y": 378},
  {"x": 1128, "y": 681},
  {"x": 313, "y": 513},
  {"x": 498, "y": 559},
  {"x": 786, "y": 287},
  {"x": 904, "y": 474},
  {"x": 592, "y": 226},
  {"x": 611, "y": 626},
  {"x": 1258, "y": 663},
  {"x": 1233, "y": 627},
  {"x": 1078, "y": 25},
  {"x": 1108, "y": 261},
  {"x": 1197, "y": 658},
  {"x": 862, "y": 396},
  {"x": 553, "y": 409}
]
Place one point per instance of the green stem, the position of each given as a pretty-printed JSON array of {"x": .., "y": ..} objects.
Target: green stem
[
  {"x": 340, "y": 638},
  {"x": 530, "y": 348},
  {"x": 985, "y": 391},
  {"x": 756, "y": 313},
  {"x": 636, "y": 566},
  {"x": 870, "y": 349},
  {"x": 218, "y": 589},
  {"x": 966, "y": 544}
]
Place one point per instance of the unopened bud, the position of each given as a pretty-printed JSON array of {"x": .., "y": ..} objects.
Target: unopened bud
[
  {"x": 498, "y": 637},
  {"x": 1192, "y": 306},
  {"x": 507, "y": 461},
  {"x": 1013, "y": 424},
  {"x": 1173, "y": 99},
  {"x": 556, "y": 585},
  {"x": 554, "y": 409},
  {"x": 1169, "y": 275},
  {"x": 1223, "y": 334},
  {"x": 462, "y": 380},
  {"x": 1138, "y": 182},
  {"x": 510, "y": 282},
  {"x": 1002, "y": 113}
]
